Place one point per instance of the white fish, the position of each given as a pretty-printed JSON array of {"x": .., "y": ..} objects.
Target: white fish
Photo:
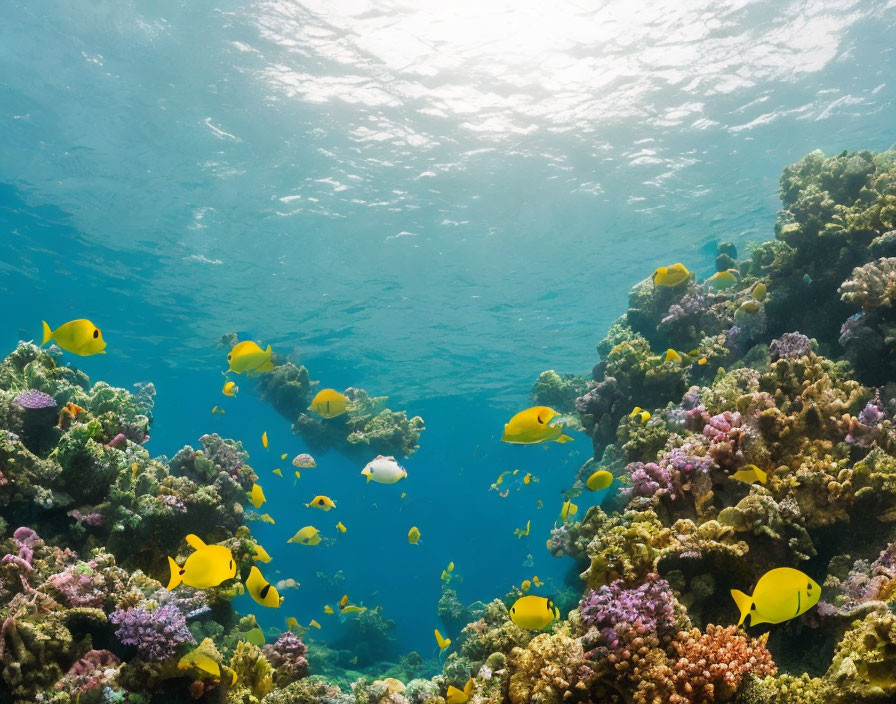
[{"x": 384, "y": 470}]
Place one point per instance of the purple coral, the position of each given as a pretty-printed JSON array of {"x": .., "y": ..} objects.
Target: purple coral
[
  {"x": 726, "y": 433},
  {"x": 620, "y": 618},
  {"x": 96, "y": 669},
  {"x": 26, "y": 541},
  {"x": 866, "y": 584},
  {"x": 673, "y": 476},
  {"x": 80, "y": 585},
  {"x": 32, "y": 399},
  {"x": 92, "y": 519},
  {"x": 287, "y": 656},
  {"x": 866, "y": 427},
  {"x": 791, "y": 345},
  {"x": 157, "y": 634}
]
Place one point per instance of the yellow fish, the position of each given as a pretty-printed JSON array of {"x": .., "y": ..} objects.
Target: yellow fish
[
  {"x": 521, "y": 532},
  {"x": 261, "y": 590},
  {"x": 135, "y": 469},
  {"x": 702, "y": 361},
  {"x": 329, "y": 403},
  {"x": 255, "y": 636},
  {"x": 414, "y": 535},
  {"x": 404, "y": 495},
  {"x": 74, "y": 409},
  {"x": 324, "y": 503},
  {"x": 292, "y": 622},
  {"x": 343, "y": 602},
  {"x": 533, "y": 612},
  {"x": 536, "y": 581},
  {"x": 264, "y": 439},
  {"x": 443, "y": 643},
  {"x": 459, "y": 696},
  {"x": 723, "y": 279},
  {"x": 208, "y": 566},
  {"x": 230, "y": 388},
  {"x": 672, "y": 357},
  {"x": 284, "y": 456},
  {"x": 670, "y": 275},
  {"x": 248, "y": 357},
  {"x": 340, "y": 527},
  {"x": 780, "y": 595},
  {"x": 313, "y": 624},
  {"x": 277, "y": 471},
  {"x": 216, "y": 411},
  {"x": 266, "y": 518},
  {"x": 750, "y": 307},
  {"x": 328, "y": 609},
  {"x": 759, "y": 291},
  {"x": 539, "y": 504},
  {"x": 446, "y": 573},
  {"x": 532, "y": 426},
  {"x": 352, "y": 609},
  {"x": 640, "y": 413},
  {"x": 79, "y": 337},
  {"x": 601, "y": 479},
  {"x": 309, "y": 535},
  {"x": 298, "y": 476},
  {"x": 196, "y": 659},
  {"x": 568, "y": 509},
  {"x": 749, "y": 474},
  {"x": 256, "y": 496},
  {"x": 525, "y": 586},
  {"x": 261, "y": 555}
]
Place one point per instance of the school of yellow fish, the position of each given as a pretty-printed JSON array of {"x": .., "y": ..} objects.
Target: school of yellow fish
[{"x": 779, "y": 595}]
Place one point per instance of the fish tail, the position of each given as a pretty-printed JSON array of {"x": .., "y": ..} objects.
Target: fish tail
[
  {"x": 762, "y": 476},
  {"x": 175, "y": 573},
  {"x": 564, "y": 438},
  {"x": 48, "y": 333},
  {"x": 744, "y": 603}
]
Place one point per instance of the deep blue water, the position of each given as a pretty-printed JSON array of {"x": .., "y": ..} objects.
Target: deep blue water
[{"x": 433, "y": 204}]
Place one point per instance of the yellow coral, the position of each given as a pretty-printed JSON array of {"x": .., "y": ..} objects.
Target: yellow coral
[{"x": 253, "y": 671}]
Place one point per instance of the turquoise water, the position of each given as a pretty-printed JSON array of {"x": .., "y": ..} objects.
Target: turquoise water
[{"x": 433, "y": 203}]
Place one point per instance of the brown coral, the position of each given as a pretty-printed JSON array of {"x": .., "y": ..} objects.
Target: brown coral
[{"x": 550, "y": 670}]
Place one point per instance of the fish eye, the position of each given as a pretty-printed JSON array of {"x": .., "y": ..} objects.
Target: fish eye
[
  {"x": 229, "y": 356},
  {"x": 809, "y": 587},
  {"x": 96, "y": 333}
]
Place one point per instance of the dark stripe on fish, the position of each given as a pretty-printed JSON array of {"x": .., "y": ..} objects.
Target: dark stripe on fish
[
  {"x": 799, "y": 596},
  {"x": 264, "y": 591}
]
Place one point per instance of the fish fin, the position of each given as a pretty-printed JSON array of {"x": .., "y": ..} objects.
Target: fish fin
[
  {"x": 744, "y": 603},
  {"x": 368, "y": 479},
  {"x": 195, "y": 542},
  {"x": 102, "y": 352},
  {"x": 564, "y": 438},
  {"x": 48, "y": 334},
  {"x": 762, "y": 476},
  {"x": 175, "y": 573}
]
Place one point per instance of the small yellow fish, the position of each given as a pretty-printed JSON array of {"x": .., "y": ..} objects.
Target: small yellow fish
[
  {"x": 539, "y": 504},
  {"x": 414, "y": 535},
  {"x": 329, "y": 403},
  {"x": 256, "y": 496},
  {"x": 230, "y": 388},
  {"x": 79, "y": 337},
  {"x": 340, "y": 527},
  {"x": 446, "y": 573},
  {"x": 536, "y": 581},
  {"x": 533, "y": 426},
  {"x": 670, "y": 275},
  {"x": 723, "y": 279},
  {"x": 216, "y": 411},
  {"x": 404, "y": 495},
  {"x": 759, "y": 291},
  {"x": 298, "y": 476},
  {"x": 264, "y": 439},
  {"x": 780, "y": 595},
  {"x": 533, "y": 612},
  {"x": 277, "y": 471},
  {"x": 74, "y": 409},
  {"x": 309, "y": 535},
  {"x": 750, "y": 307},
  {"x": 324, "y": 503},
  {"x": 284, "y": 455},
  {"x": 343, "y": 602},
  {"x": 352, "y": 609},
  {"x": 198, "y": 660},
  {"x": 525, "y": 586},
  {"x": 459, "y": 696},
  {"x": 672, "y": 357},
  {"x": 135, "y": 469},
  {"x": 248, "y": 357},
  {"x": 328, "y": 609},
  {"x": 292, "y": 622},
  {"x": 639, "y": 412},
  {"x": 702, "y": 361},
  {"x": 568, "y": 509},
  {"x": 601, "y": 479},
  {"x": 255, "y": 636},
  {"x": 261, "y": 590},
  {"x": 261, "y": 555},
  {"x": 522, "y": 532},
  {"x": 443, "y": 643},
  {"x": 313, "y": 624},
  {"x": 749, "y": 474},
  {"x": 206, "y": 567},
  {"x": 266, "y": 518}
]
